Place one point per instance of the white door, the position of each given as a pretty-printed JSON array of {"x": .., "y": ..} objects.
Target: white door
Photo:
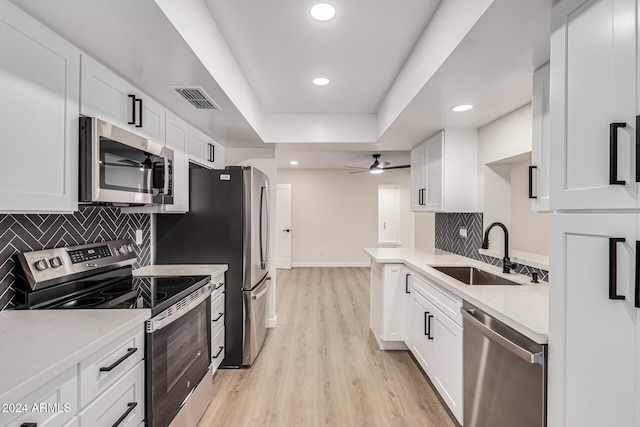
[
  {"x": 422, "y": 343},
  {"x": 592, "y": 333},
  {"x": 283, "y": 226},
  {"x": 593, "y": 105},
  {"x": 388, "y": 215}
]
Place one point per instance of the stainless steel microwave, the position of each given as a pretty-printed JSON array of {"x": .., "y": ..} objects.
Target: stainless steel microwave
[{"x": 120, "y": 168}]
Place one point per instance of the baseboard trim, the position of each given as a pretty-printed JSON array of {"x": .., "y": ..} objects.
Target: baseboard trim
[
  {"x": 271, "y": 323},
  {"x": 331, "y": 264}
]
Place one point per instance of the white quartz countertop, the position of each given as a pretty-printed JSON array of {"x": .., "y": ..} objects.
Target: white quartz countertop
[
  {"x": 181, "y": 270},
  {"x": 39, "y": 345},
  {"x": 524, "y": 308}
]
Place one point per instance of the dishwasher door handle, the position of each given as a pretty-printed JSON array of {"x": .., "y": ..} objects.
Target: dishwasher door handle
[{"x": 514, "y": 348}]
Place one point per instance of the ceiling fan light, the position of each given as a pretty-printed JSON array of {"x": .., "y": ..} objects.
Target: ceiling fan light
[{"x": 376, "y": 171}]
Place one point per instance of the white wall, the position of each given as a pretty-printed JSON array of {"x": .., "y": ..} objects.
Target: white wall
[
  {"x": 530, "y": 230},
  {"x": 424, "y": 230},
  {"x": 334, "y": 214},
  {"x": 504, "y": 148}
]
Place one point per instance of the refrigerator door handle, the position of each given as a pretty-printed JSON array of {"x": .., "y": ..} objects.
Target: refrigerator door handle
[
  {"x": 268, "y": 224},
  {"x": 263, "y": 263}
]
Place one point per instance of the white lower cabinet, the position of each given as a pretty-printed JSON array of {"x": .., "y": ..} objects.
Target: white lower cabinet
[
  {"x": 105, "y": 388},
  {"x": 594, "y": 320},
  {"x": 389, "y": 302},
  {"x": 217, "y": 322},
  {"x": 437, "y": 340},
  {"x": 53, "y": 405}
]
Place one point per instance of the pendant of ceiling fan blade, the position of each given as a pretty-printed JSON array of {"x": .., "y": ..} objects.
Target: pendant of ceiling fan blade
[{"x": 398, "y": 167}]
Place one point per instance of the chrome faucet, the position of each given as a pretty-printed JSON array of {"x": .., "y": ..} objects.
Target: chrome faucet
[{"x": 507, "y": 265}]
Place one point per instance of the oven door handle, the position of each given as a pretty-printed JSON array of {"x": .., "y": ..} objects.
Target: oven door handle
[{"x": 172, "y": 313}]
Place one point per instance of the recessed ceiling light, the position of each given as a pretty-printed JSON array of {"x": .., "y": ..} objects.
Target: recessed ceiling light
[
  {"x": 321, "y": 81},
  {"x": 461, "y": 108},
  {"x": 293, "y": 162},
  {"x": 323, "y": 11}
]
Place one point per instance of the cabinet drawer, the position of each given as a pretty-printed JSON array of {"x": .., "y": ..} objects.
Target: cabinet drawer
[
  {"x": 217, "y": 350},
  {"x": 218, "y": 287},
  {"x": 125, "y": 399},
  {"x": 115, "y": 360},
  {"x": 52, "y": 405},
  {"x": 448, "y": 303}
]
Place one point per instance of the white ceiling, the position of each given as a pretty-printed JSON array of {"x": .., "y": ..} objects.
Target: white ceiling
[
  {"x": 280, "y": 48},
  {"x": 396, "y": 67}
]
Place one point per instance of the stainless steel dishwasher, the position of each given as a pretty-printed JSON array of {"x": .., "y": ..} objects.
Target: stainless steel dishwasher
[{"x": 504, "y": 374}]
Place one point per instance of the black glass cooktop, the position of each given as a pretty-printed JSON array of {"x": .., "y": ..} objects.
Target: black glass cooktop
[{"x": 118, "y": 291}]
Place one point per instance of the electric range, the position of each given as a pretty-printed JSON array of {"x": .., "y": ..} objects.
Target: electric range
[{"x": 178, "y": 334}]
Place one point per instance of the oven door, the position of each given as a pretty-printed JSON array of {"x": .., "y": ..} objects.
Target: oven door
[
  {"x": 178, "y": 358},
  {"x": 120, "y": 167}
]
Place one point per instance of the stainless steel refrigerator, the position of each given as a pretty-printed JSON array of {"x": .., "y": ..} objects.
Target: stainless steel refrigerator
[{"x": 227, "y": 223}]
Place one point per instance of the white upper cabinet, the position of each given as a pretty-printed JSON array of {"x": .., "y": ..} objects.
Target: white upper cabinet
[
  {"x": 418, "y": 178},
  {"x": 540, "y": 145},
  {"x": 39, "y": 82},
  {"x": 205, "y": 151},
  {"x": 593, "y": 105},
  {"x": 107, "y": 96},
  {"x": 444, "y": 172}
]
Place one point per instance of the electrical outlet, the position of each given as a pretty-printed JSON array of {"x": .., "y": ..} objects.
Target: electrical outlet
[
  {"x": 138, "y": 237},
  {"x": 463, "y": 232}
]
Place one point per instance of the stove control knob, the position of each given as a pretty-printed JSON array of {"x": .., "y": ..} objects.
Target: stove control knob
[
  {"x": 129, "y": 248},
  {"x": 41, "y": 265},
  {"x": 122, "y": 250},
  {"x": 55, "y": 262}
]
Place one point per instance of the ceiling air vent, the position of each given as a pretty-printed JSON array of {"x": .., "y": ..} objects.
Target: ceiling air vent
[{"x": 196, "y": 97}]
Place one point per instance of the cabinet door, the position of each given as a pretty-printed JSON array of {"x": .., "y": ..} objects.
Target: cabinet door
[
  {"x": 200, "y": 148},
  {"x": 540, "y": 144},
  {"x": 177, "y": 139},
  {"x": 394, "y": 302},
  {"x": 151, "y": 122},
  {"x": 447, "y": 372},
  {"x": 422, "y": 346},
  {"x": 39, "y": 82},
  {"x": 105, "y": 95},
  {"x": 389, "y": 215},
  {"x": 418, "y": 178},
  {"x": 433, "y": 198},
  {"x": 592, "y": 338},
  {"x": 408, "y": 313},
  {"x": 594, "y": 72},
  {"x": 218, "y": 156}
]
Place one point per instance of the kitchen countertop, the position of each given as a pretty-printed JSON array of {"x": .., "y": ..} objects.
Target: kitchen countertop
[
  {"x": 39, "y": 345},
  {"x": 524, "y": 308},
  {"x": 181, "y": 270}
]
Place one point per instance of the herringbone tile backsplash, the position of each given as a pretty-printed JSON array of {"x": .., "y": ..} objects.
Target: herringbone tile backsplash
[
  {"x": 23, "y": 233},
  {"x": 448, "y": 239}
]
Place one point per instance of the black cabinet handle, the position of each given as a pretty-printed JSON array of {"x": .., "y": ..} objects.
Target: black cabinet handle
[
  {"x": 131, "y": 407},
  {"x": 139, "y": 101},
  {"x": 212, "y": 153},
  {"x": 637, "y": 149},
  {"x": 218, "y": 286},
  {"x": 29, "y": 425},
  {"x": 426, "y": 322},
  {"x": 133, "y": 110},
  {"x": 421, "y": 192},
  {"x": 130, "y": 351},
  {"x": 219, "y": 317},
  {"x": 406, "y": 283},
  {"x": 613, "y": 153},
  {"x": 637, "y": 287},
  {"x": 613, "y": 267},
  {"x": 218, "y": 353},
  {"x": 531, "y": 168},
  {"x": 429, "y": 317}
]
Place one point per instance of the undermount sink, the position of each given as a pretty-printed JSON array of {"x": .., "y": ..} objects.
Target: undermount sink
[{"x": 474, "y": 276}]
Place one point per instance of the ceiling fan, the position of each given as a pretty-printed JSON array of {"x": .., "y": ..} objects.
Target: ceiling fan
[{"x": 378, "y": 166}]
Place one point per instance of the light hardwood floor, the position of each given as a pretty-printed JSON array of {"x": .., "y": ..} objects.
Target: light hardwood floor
[{"x": 321, "y": 367}]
